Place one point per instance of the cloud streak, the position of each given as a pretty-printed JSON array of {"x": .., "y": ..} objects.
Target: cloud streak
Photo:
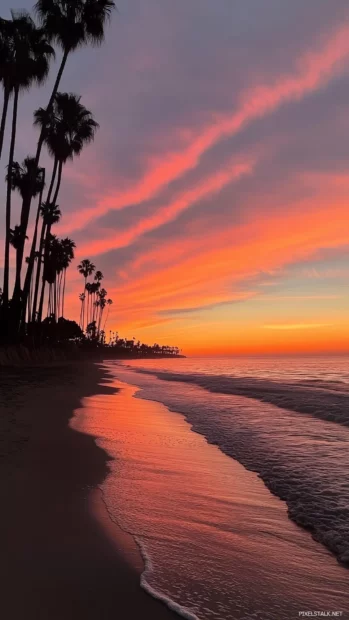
[{"x": 314, "y": 69}]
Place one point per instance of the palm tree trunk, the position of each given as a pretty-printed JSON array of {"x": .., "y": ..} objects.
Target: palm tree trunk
[
  {"x": 41, "y": 249},
  {"x": 80, "y": 322},
  {"x": 49, "y": 301},
  {"x": 29, "y": 196},
  {"x": 83, "y": 307},
  {"x": 58, "y": 294},
  {"x": 20, "y": 252},
  {"x": 106, "y": 319},
  {"x": 100, "y": 320},
  {"x": 48, "y": 232},
  {"x": 3, "y": 117},
  {"x": 8, "y": 203},
  {"x": 30, "y": 299},
  {"x": 63, "y": 294},
  {"x": 55, "y": 298}
]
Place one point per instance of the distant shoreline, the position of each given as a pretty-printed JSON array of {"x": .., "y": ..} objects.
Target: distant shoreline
[{"x": 15, "y": 356}]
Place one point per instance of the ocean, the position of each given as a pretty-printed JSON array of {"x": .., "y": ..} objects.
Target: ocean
[{"x": 232, "y": 476}]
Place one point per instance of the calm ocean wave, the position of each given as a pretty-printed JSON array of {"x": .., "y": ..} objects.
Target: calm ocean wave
[
  {"x": 216, "y": 544},
  {"x": 304, "y": 459}
]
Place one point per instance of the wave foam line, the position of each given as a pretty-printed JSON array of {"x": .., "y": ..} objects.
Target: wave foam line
[
  {"x": 184, "y": 612},
  {"x": 318, "y": 401}
]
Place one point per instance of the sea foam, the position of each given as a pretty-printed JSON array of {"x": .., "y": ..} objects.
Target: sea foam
[{"x": 176, "y": 607}]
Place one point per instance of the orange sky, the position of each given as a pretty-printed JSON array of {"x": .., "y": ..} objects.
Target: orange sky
[{"x": 215, "y": 197}]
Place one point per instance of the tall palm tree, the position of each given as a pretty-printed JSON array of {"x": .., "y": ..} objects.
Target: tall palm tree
[
  {"x": 95, "y": 288},
  {"x": 16, "y": 239},
  {"x": 68, "y": 247},
  {"x": 21, "y": 175},
  {"x": 5, "y": 73},
  {"x": 98, "y": 276},
  {"x": 102, "y": 302},
  {"x": 33, "y": 252},
  {"x": 109, "y": 303},
  {"x": 52, "y": 267},
  {"x": 71, "y": 25},
  {"x": 86, "y": 269},
  {"x": 28, "y": 64},
  {"x": 50, "y": 216},
  {"x": 89, "y": 291},
  {"x": 71, "y": 127},
  {"x": 82, "y": 299}
]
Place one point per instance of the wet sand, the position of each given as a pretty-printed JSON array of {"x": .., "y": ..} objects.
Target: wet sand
[{"x": 61, "y": 556}]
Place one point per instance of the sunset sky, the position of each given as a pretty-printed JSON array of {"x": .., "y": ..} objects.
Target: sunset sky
[{"x": 215, "y": 196}]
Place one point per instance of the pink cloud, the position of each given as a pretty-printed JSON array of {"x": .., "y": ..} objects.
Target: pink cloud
[{"x": 315, "y": 68}]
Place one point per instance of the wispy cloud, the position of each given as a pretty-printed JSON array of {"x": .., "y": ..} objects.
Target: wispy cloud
[
  {"x": 296, "y": 326},
  {"x": 314, "y": 69}
]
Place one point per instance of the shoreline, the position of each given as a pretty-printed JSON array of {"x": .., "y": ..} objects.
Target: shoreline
[
  {"x": 19, "y": 356},
  {"x": 215, "y": 531},
  {"x": 61, "y": 555}
]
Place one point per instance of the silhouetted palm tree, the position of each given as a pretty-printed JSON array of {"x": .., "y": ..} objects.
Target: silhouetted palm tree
[
  {"x": 5, "y": 73},
  {"x": 86, "y": 269},
  {"x": 102, "y": 302},
  {"x": 71, "y": 126},
  {"x": 98, "y": 276},
  {"x": 68, "y": 247},
  {"x": 33, "y": 251},
  {"x": 88, "y": 290},
  {"x": 82, "y": 299},
  {"x": 15, "y": 236},
  {"x": 20, "y": 181},
  {"x": 27, "y": 63},
  {"x": 71, "y": 25},
  {"x": 109, "y": 303},
  {"x": 51, "y": 216}
]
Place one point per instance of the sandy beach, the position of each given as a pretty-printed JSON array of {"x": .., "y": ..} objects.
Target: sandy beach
[{"x": 61, "y": 556}]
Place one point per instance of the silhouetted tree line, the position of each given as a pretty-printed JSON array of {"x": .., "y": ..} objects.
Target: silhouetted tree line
[
  {"x": 32, "y": 308},
  {"x": 65, "y": 126}
]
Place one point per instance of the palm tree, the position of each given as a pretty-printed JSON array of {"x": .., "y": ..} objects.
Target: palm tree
[
  {"x": 68, "y": 247},
  {"x": 51, "y": 268},
  {"x": 109, "y": 303},
  {"x": 33, "y": 251},
  {"x": 15, "y": 236},
  {"x": 27, "y": 63},
  {"x": 82, "y": 299},
  {"x": 86, "y": 269},
  {"x": 98, "y": 276},
  {"x": 95, "y": 286},
  {"x": 21, "y": 175},
  {"x": 102, "y": 302},
  {"x": 51, "y": 215},
  {"x": 5, "y": 72},
  {"x": 71, "y": 126},
  {"x": 71, "y": 25},
  {"x": 88, "y": 290},
  {"x": 16, "y": 240},
  {"x": 20, "y": 181}
]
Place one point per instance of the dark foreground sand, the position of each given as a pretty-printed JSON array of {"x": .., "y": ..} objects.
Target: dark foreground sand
[{"x": 60, "y": 556}]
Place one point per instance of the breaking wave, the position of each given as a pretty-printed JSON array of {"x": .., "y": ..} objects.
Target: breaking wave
[{"x": 326, "y": 400}]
